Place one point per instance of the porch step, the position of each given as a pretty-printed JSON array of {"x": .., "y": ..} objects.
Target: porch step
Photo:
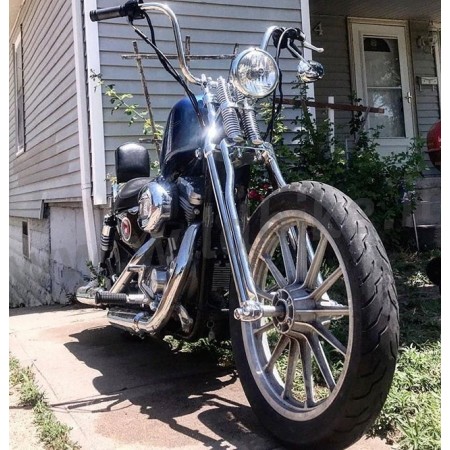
[
  {"x": 428, "y": 210},
  {"x": 429, "y": 236}
]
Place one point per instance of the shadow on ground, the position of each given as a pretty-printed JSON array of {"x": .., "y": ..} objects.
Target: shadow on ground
[{"x": 168, "y": 387}]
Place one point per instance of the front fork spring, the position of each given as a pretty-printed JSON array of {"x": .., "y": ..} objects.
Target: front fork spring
[
  {"x": 251, "y": 127},
  {"x": 228, "y": 111}
]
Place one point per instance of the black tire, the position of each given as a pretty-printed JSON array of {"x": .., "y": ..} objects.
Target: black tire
[{"x": 361, "y": 363}]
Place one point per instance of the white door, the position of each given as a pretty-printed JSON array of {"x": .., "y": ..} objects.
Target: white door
[{"x": 382, "y": 81}]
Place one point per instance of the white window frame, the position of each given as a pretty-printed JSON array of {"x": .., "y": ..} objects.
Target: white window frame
[
  {"x": 19, "y": 99},
  {"x": 358, "y": 25}
]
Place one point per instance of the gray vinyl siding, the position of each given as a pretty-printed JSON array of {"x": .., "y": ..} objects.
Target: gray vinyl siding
[
  {"x": 427, "y": 99},
  {"x": 214, "y": 28},
  {"x": 335, "y": 59},
  {"x": 49, "y": 169}
]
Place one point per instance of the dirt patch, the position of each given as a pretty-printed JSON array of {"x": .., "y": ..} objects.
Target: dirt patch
[{"x": 22, "y": 431}]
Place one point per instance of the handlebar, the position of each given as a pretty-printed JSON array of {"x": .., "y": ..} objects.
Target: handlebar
[
  {"x": 291, "y": 35},
  {"x": 107, "y": 13},
  {"x": 133, "y": 9}
]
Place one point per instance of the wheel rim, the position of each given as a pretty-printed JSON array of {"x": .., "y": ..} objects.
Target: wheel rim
[{"x": 299, "y": 359}]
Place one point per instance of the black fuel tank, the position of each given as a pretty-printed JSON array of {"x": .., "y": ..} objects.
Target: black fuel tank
[{"x": 182, "y": 136}]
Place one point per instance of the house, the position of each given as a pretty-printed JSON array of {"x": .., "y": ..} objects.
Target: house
[{"x": 63, "y": 131}]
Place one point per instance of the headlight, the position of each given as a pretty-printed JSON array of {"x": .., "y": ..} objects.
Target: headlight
[{"x": 255, "y": 73}]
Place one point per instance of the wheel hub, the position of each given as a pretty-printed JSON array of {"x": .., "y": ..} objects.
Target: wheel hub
[
  {"x": 284, "y": 323},
  {"x": 293, "y": 300}
]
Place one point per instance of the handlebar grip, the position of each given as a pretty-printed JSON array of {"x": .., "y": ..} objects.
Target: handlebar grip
[{"x": 107, "y": 13}]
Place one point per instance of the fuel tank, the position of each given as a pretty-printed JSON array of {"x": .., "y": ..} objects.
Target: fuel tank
[{"x": 182, "y": 136}]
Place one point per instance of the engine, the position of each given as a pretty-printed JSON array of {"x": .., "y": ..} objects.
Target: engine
[
  {"x": 128, "y": 228},
  {"x": 161, "y": 202},
  {"x": 157, "y": 205}
]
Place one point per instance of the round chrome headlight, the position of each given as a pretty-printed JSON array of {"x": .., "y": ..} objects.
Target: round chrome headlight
[{"x": 255, "y": 73}]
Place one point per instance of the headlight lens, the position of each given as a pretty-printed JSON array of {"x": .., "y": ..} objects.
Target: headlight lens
[{"x": 255, "y": 73}]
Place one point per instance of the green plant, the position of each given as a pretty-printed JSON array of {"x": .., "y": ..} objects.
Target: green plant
[
  {"x": 411, "y": 414},
  {"x": 52, "y": 433},
  {"x": 218, "y": 352},
  {"x": 377, "y": 183},
  {"x": 96, "y": 274},
  {"x": 121, "y": 101}
]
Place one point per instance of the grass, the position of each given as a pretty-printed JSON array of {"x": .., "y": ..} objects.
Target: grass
[
  {"x": 411, "y": 415},
  {"x": 52, "y": 433},
  {"x": 217, "y": 352},
  {"x": 410, "y": 419}
]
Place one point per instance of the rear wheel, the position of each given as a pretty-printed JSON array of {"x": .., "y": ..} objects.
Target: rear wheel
[{"x": 318, "y": 375}]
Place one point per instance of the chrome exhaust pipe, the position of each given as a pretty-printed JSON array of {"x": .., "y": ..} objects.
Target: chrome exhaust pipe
[
  {"x": 86, "y": 294},
  {"x": 143, "y": 322}
]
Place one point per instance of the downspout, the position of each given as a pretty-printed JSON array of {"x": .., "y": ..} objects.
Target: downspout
[
  {"x": 307, "y": 53},
  {"x": 95, "y": 107},
  {"x": 83, "y": 133}
]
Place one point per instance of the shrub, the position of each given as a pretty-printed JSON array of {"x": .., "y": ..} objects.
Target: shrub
[{"x": 379, "y": 184}]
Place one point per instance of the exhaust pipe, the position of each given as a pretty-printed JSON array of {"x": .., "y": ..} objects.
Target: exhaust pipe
[
  {"x": 143, "y": 321},
  {"x": 86, "y": 294}
]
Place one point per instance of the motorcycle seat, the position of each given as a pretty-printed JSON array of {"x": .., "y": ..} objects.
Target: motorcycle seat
[{"x": 129, "y": 192}]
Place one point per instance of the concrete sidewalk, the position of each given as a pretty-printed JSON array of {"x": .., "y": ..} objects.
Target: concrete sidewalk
[{"x": 120, "y": 393}]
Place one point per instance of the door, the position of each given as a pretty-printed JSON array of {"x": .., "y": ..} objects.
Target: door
[{"x": 382, "y": 80}]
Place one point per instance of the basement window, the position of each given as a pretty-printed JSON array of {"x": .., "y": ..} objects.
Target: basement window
[{"x": 25, "y": 240}]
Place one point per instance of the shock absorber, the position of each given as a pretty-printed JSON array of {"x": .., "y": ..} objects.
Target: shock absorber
[
  {"x": 251, "y": 127},
  {"x": 228, "y": 111},
  {"x": 107, "y": 238}
]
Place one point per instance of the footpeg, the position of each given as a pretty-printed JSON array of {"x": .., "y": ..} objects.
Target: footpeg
[{"x": 109, "y": 298}]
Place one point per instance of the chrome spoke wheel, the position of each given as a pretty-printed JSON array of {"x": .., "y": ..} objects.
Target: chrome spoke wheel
[
  {"x": 317, "y": 368},
  {"x": 302, "y": 354}
]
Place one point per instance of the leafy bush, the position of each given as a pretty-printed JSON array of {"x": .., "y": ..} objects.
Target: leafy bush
[{"x": 379, "y": 184}]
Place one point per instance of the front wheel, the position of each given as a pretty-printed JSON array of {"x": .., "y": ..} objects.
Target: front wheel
[{"x": 317, "y": 375}]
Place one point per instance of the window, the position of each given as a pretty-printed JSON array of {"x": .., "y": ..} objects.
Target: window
[
  {"x": 381, "y": 70},
  {"x": 25, "y": 240},
  {"x": 19, "y": 94}
]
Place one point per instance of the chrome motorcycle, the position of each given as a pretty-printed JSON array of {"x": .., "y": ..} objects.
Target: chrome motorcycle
[{"x": 303, "y": 286}]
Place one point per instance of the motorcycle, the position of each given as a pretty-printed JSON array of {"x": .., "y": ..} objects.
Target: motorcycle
[{"x": 302, "y": 286}]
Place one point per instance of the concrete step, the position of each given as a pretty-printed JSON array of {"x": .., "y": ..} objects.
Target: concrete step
[
  {"x": 426, "y": 213},
  {"x": 429, "y": 236}
]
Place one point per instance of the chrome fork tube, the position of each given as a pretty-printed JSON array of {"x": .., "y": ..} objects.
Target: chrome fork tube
[
  {"x": 245, "y": 285},
  {"x": 234, "y": 220},
  {"x": 271, "y": 162}
]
